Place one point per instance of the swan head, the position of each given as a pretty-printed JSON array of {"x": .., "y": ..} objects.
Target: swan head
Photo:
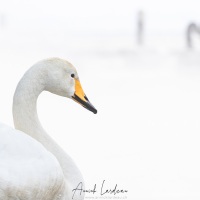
[{"x": 62, "y": 79}]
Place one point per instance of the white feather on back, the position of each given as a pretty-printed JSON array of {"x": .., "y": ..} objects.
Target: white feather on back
[{"x": 26, "y": 168}]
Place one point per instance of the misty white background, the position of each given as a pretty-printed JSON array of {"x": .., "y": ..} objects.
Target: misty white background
[{"x": 146, "y": 134}]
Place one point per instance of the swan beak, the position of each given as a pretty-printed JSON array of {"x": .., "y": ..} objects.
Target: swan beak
[{"x": 81, "y": 98}]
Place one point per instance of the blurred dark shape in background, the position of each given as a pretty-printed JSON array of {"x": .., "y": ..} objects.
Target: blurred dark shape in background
[
  {"x": 140, "y": 28},
  {"x": 191, "y": 29}
]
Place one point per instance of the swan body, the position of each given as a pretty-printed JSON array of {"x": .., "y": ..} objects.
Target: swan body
[
  {"x": 26, "y": 168},
  {"x": 32, "y": 165}
]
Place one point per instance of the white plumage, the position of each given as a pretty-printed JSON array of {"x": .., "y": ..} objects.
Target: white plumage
[
  {"x": 27, "y": 169},
  {"x": 32, "y": 165}
]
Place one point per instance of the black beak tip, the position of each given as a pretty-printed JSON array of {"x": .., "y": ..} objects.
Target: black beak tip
[
  {"x": 95, "y": 111},
  {"x": 91, "y": 108},
  {"x": 85, "y": 104}
]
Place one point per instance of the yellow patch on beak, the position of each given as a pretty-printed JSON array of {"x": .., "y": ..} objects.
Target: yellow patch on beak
[
  {"x": 79, "y": 90},
  {"x": 80, "y": 97}
]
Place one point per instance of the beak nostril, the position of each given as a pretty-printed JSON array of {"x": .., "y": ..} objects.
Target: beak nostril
[
  {"x": 80, "y": 97},
  {"x": 86, "y": 98}
]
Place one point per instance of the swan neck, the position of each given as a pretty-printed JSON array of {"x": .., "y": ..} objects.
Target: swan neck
[
  {"x": 25, "y": 103},
  {"x": 26, "y": 119}
]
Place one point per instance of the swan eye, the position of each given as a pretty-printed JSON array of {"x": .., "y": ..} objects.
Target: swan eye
[{"x": 72, "y": 75}]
